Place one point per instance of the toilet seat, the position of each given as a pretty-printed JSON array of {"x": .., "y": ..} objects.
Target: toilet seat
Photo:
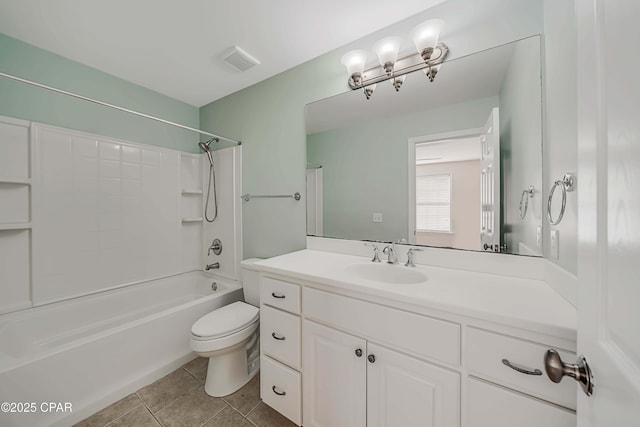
[{"x": 224, "y": 328}]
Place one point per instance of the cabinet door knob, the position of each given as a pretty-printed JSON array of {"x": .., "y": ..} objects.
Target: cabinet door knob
[
  {"x": 279, "y": 393},
  {"x": 278, "y": 336},
  {"x": 371, "y": 358},
  {"x": 359, "y": 352},
  {"x": 279, "y": 296}
]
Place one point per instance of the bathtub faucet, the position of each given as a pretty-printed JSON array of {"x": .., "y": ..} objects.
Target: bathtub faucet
[{"x": 213, "y": 266}]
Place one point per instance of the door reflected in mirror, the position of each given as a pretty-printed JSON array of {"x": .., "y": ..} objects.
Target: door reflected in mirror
[{"x": 442, "y": 163}]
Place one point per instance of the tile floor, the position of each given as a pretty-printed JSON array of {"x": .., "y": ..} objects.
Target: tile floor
[{"x": 179, "y": 399}]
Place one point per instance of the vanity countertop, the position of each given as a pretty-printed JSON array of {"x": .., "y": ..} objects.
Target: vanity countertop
[{"x": 523, "y": 303}]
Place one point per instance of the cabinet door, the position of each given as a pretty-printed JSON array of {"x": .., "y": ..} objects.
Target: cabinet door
[
  {"x": 404, "y": 391},
  {"x": 334, "y": 378}
]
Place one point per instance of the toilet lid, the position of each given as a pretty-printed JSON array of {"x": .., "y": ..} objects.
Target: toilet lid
[{"x": 225, "y": 320}]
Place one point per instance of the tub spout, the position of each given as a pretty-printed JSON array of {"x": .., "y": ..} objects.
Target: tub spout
[{"x": 213, "y": 266}]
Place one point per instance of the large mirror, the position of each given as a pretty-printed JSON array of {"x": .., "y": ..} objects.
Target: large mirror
[{"x": 454, "y": 163}]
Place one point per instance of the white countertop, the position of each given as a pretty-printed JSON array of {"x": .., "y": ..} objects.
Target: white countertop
[{"x": 523, "y": 303}]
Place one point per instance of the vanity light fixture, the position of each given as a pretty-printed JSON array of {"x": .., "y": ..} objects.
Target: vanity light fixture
[{"x": 429, "y": 57}]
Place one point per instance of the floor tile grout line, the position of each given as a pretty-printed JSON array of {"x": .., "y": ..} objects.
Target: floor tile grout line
[
  {"x": 122, "y": 415},
  {"x": 254, "y": 408},
  {"x": 216, "y": 414},
  {"x": 150, "y": 411},
  {"x": 244, "y": 416},
  {"x": 193, "y": 375}
]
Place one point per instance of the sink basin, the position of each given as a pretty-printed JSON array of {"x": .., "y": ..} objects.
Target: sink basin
[{"x": 387, "y": 273}]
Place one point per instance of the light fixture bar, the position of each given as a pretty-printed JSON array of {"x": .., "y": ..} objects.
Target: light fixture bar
[{"x": 405, "y": 65}]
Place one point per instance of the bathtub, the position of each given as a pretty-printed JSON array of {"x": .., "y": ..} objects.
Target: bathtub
[{"x": 88, "y": 352}]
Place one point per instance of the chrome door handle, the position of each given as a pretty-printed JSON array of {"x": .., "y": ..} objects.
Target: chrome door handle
[
  {"x": 279, "y": 393},
  {"x": 557, "y": 369},
  {"x": 371, "y": 358},
  {"x": 520, "y": 369},
  {"x": 277, "y": 336},
  {"x": 279, "y": 296},
  {"x": 359, "y": 352}
]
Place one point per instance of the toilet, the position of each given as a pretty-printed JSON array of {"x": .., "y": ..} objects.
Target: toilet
[{"x": 229, "y": 337}]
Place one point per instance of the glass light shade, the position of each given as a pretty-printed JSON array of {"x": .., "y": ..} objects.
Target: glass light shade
[
  {"x": 387, "y": 49},
  {"x": 426, "y": 35},
  {"x": 354, "y": 60}
]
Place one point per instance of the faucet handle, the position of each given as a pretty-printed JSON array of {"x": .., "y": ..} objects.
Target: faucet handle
[
  {"x": 410, "y": 254},
  {"x": 376, "y": 255}
]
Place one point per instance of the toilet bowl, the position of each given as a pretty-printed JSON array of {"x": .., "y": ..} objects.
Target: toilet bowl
[{"x": 229, "y": 337}]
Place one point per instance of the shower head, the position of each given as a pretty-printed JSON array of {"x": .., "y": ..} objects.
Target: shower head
[{"x": 206, "y": 147}]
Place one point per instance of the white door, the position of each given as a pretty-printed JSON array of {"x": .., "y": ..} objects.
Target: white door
[
  {"x": 334, "y": 379},
  {"x": 609, "y": 210},
  {"x": 407, "y": 392},
  {"x": 314, "y": 202},
  {"x": 490, "y": 183}
]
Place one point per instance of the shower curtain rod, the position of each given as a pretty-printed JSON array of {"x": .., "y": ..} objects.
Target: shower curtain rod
[{"x": 117, "y": 107}]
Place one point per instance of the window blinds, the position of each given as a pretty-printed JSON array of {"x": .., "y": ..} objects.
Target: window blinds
[{"x": 433, "y": 203}]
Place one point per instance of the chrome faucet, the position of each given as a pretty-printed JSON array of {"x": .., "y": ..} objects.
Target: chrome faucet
[
  {"x": 214, "y": 266},
  {"x": 410, "y": 254},
  {"x": 376, "y": 256},
  {"x": 390, "y": 251}
]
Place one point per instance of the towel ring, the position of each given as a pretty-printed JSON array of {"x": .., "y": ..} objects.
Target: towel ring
[
  {"x": 567, "y": 183},
  {"x": 526, "y": 195}
]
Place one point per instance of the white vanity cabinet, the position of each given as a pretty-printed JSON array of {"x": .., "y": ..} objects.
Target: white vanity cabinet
[
  {"x": 280, "y": 344},
  {"x": 366, "y": 360},
  {"x": 370, "y": 385}
]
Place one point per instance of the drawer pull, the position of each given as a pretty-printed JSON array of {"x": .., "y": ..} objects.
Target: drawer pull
[
  {"x": 278, "y": 337},
  {"x": 522, "y": 370},
  {"x": 359, "y": 352},
  {"x": 279, "y": 296},
  {"x": 279, "y": 393}
]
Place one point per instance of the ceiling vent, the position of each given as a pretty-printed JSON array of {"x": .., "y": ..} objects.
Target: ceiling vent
[{"x": 239, "y": 59}]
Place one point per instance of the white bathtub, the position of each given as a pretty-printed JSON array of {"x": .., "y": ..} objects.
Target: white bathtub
[{"x": 93, "y": 350}]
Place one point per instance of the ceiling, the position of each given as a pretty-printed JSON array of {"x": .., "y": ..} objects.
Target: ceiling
[{"x": 174, "y": 47}]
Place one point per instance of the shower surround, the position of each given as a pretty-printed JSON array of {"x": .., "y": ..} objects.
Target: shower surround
[{"x": 95, "y": 235}]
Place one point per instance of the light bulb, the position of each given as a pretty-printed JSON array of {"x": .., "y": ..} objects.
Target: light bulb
[
  {"x": 387, "y": 50},
  {"x": 354, "y": 60},
  {"x": 425, "y": 37}
]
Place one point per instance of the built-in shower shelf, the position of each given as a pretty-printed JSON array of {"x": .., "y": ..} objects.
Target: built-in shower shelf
[
  {"x": 191, "y": 191},
  {"x": 16, "y": 226},
  {"x": 11, "y": 180},
  {"x": 192, "y": 219}
]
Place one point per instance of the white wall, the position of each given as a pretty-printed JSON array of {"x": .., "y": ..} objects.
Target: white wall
[{"x": 465, "y": 205}]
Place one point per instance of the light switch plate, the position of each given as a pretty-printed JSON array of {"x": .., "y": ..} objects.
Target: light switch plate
[
  {"x": 555, "y": 244},
  {"x": 377, "y": 217}
]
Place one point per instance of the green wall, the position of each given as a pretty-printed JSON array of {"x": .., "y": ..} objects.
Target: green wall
[
  {"x": 365, "y": 167},
  {"x": 35, "y": 104},
  {"x": 269, "y": 117}
]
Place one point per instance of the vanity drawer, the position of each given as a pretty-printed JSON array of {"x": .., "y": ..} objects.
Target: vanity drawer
[
  {"x": 280, "y": 336},
  {"x": 283, "y": 295},
  {"x": 491, "y": 405},
  {"x": 424, "y": 336},
  {"x": 280, "y": 388},
  {"x": 484, "y": 355}
]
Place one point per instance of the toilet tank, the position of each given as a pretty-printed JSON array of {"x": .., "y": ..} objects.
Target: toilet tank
[{"x": 250, "y": 281}]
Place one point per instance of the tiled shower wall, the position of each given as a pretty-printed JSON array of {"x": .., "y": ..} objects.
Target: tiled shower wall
[{"x": 80, "y": 213}]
